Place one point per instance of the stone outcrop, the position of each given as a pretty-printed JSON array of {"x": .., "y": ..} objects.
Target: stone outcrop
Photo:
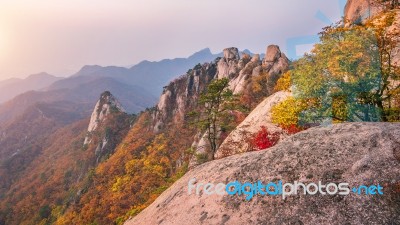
[
  {"x": 228, "y": 65},
  {"x": 358, "y": 11},
  {"x": 356, "y": 153},
  {"x": 104, "y": 106},
  {"x": 275, "y": 62},
  {"x": 238, "y": 141},
  {"x": 248, "y": 67},
  {"x": 179, "y": 97}
]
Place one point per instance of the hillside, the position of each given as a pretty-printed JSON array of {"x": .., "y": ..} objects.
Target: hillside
[{"x": 53, "y": 165}]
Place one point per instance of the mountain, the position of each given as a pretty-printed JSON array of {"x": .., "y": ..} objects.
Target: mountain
[
  {"x": 248, "y": 52},
  {"x": 134, "y": 99},
  {"x": 356, "y": 153},
  {"x": 70, "y": 157},
  {"x": 64, "y": 153},
  {"x": 148, "y": 75},
  {"x": 3, "y": 83},
  {"x": 161, "y": 144},
  {"x": 134, "y": 87},
  {"x": 13, "y": 87}
]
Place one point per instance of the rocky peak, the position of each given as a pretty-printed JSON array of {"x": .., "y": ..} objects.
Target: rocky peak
[
  {"x": 274, "y": 64},
  {"x": 272, "y": 55},
  {"x": 202, "y": 53},
  {"x": 228, "y": 65},
  {"x": 104, "y": 106},
  {"x": 182, "y": 93},
  {"x": 231, "y": 54}
]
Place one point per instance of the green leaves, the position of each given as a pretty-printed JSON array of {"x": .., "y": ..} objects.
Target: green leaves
[
  {"x": 212, "y": 114},
  {"x": 344, "y": 75}
]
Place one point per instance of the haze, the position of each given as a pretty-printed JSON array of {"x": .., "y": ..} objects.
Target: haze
[{"x": 59, "y": 37}]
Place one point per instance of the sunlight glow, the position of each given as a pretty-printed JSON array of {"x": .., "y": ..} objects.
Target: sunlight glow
[{"x": 2, "y": 45}]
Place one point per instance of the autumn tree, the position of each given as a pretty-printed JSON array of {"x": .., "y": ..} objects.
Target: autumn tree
[
  {"x": 284, "y": 82},
  {"x": 349, "y": 75},
  {"x": 214, "y": 106},
  {"x": 387, "y": 41}
]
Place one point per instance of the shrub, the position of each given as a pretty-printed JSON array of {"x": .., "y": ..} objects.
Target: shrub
[
  {"x": 264, "y": 139},
  {"x": 286, "y": 113},
  {"x": 292, "y": 129}
]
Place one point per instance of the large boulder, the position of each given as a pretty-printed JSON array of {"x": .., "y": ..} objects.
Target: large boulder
[
  {"x": 356, "y": 153},
  {"x": 238, "y": 141}
]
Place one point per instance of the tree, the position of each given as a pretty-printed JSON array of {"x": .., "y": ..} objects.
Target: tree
[
  {"x": 286, "y": 113},
  {"x": 284, "y": 82},
  {"x": 214, "y": 106},
  {"x": 387, "y": 41},
  {"x": 349, "y": 76}
]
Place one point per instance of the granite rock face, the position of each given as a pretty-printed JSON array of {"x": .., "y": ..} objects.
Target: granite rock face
[
  {"x": 356, "y": 153},
  {"x": 180, "y": 95},
  {"x": 228, "y": 65},
  {"x": 238, "y": 141},
  {"x": 103, "y": 108},
  {"x": 358, "y": 11}
]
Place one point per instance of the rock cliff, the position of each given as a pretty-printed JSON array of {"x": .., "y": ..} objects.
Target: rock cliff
[
  {"x": 108, "y": 124},
  {"x": 104, "y": 106},
  {"x": 357, "y": 153},
  {"x": 181, "y": 95},
  {"x": 358, "y": 11}
]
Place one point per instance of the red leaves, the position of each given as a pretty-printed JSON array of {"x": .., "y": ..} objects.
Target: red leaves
[
  {"x": 293, "y": 129},
  {"x": 264, "y": 139}
]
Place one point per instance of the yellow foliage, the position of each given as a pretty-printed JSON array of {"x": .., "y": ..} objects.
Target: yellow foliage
[
  {"x": 286, "y": 113},
  {"x": 284, "y": 83},
  {"x": 119, "y": 183}
]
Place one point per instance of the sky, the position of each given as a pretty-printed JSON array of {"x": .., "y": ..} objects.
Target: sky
[{"x": 59, "y": 37}]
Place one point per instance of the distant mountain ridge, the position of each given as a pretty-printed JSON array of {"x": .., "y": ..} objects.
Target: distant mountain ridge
[
  {"x": 85, "y": 94},
  {"x": 135, "y": 86},
  {"x": 14, "y": 86},
  {"x": 150, "y": 75}
]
